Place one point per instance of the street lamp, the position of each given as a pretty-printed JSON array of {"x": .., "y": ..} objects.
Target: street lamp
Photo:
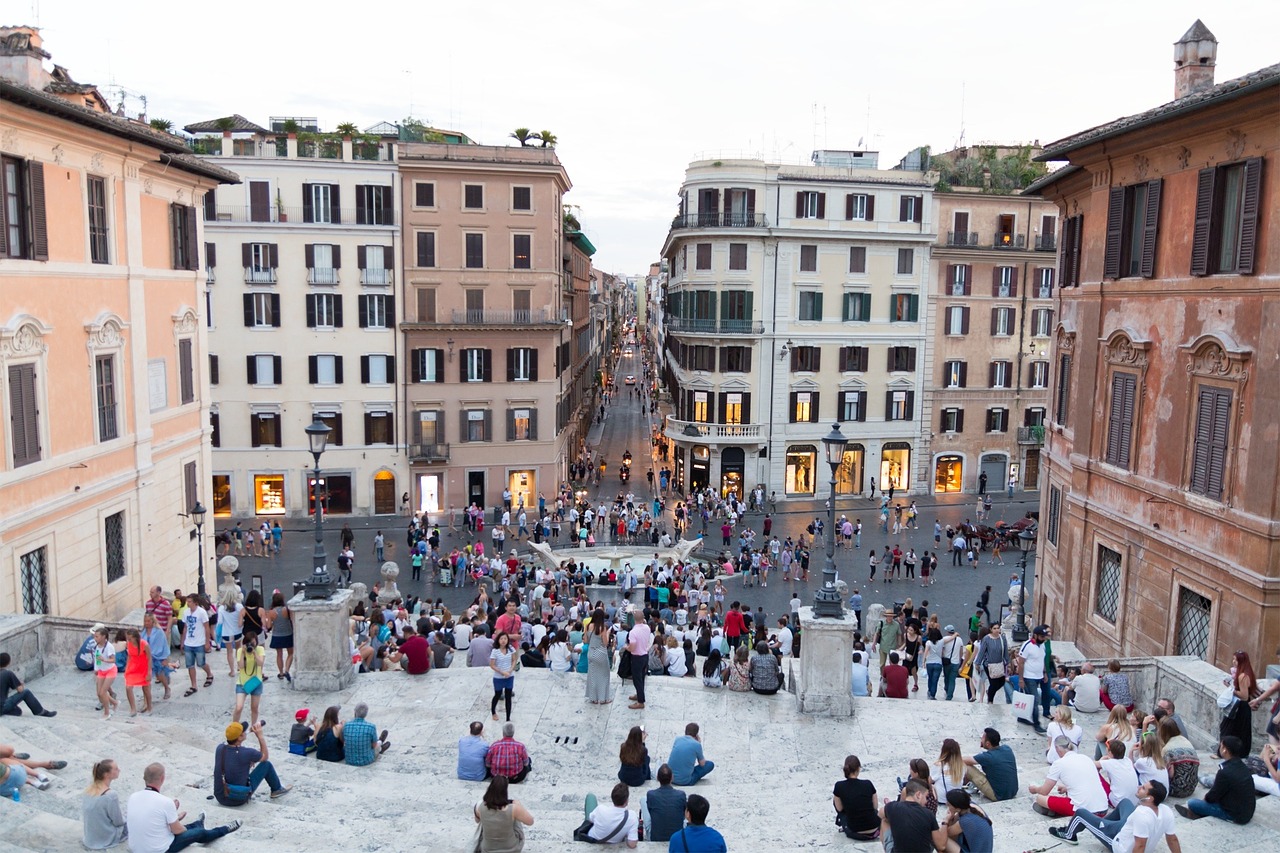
[
  {"x": 1026, "y": 544},
  {"x": 319, "y": 585},
  {"x": 826, "y": 601},
  {"x": 197, "y": 513}
]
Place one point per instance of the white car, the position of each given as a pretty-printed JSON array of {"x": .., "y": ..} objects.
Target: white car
[
  {"x": 630, "y": 380},
  {"x": 628, "y": 353}
]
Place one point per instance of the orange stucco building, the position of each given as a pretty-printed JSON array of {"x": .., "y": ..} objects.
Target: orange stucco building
[{"x": 102, "y": 348}]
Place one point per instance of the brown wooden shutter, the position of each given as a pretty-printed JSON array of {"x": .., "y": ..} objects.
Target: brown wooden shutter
[
  {"x": 1115, "y": 229},
  {"x": 1249, "y": 203},
  {"x": 871, "y": 207},
  {"x": 848, "y": 206},
  {"x": 189, "y": 238},
  {"x": 911, "y": 359},
  {"x": 1150, "y": 227},
  {"x": 246, "y": 255},
  {"x": 991, "y": 374},
  {"x": 964, "y": 374},
  {"x": 888, "y": 405},
  {"x": 840, "y": 400},
  {"x": 24, "y": 417},
  {"x": 273, "y": 255},
  {"x": 1013, "y": 281},
  {"x": 822, "y": 205},
  {"x": 388, "y": 258},
  {"x": 951, "y": 277},
  {"x": 995, "y": 312},
  {"x": 995, "y": 282},
  {"x": 813, "y": 407},
  {"x": 817, "y": 359},
  {"x": 361, "y": 255},
  {"x": 1077, "y": 240},
  {"x": 309, "y": 253},
  {"x": 795, "y": 359},
  {"x": 791, "y": 407},
  {"x": 902, "y": 213},
  {"x": 919, "y": 217},
  {"x": 751, "y": 202},
  {"x": 487, "y": 357},
  {"x": 415, "y": 365},
  {"x": 800, "y": 205},
  {"x": 308, "y": 212},
  {"x": 39, "y": 226},
  {"x": 335, "y": 204},
  {"x": 1204, "y": 222},
  {"x": 964, "y": 320}
]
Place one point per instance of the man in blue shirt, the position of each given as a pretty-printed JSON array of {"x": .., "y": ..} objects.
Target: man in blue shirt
[
  {"x": 995, "y": 771},
  {"x": 697, "y": 837},
  {"x": 687, "y": 762},
  {"x": 666, "y": 807},
  {"x": 360, "y": 737},
  {"x": 472, "y": 749}
]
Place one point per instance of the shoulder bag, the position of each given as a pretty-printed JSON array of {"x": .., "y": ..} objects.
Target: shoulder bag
[
  {"x": 254, "y": 681},
  {"x": 582, "y": 833},
  {"x": 997, "y": 670}
]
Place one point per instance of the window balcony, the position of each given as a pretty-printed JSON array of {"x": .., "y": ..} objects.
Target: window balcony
[
  {"x": 962, "y": 239},
  {"x": 322, "y": 275},
  {"x": 345, "y": 217},
  {"x": 694, "y": 325},
  {"x": 1032, "y": 435},
  {"x": 720, "y": 433},
  {"x": 1046, "y": 243},
  {"x": 719, "y": 220},
  {"x": 428, "y": 453},
  {"x": 501, "y": 317},
  {"x": 1004, "y": 240},
  {"x": 377, "y": 276},
  {"x": 253, "y": 275}
]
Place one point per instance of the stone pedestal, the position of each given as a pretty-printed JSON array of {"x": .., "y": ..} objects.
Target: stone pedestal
[
  {"x": 826, "y": 658},
  {"x": 321, "y": 642}
]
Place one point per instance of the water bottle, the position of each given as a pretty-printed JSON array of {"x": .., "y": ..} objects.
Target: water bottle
[{"x": 17, "y": 794}]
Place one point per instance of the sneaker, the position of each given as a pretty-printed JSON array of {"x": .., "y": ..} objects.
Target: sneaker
[
  {"x": 1060, "y": 833},
  {"x": 971, "y": 789},
  {"x": 233, "y": 826},
  {"x": 47, "y": 713},
  {"x": 41, "y": 784},
  {"x": 1206, "y": 780},
  {"x": 280, "y": 792},
  {"x": 1044, "y": 810}
]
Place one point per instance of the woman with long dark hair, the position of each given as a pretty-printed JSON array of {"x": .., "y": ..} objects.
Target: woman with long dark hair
[
  {"x": 502, "y": 819},
  {"x": 502, "y": 660},
  {"x": 599, "y": 640},
  {"x": 1237, "y": 718},
  {"x": 715, "y": 670},
  {"x": 329, "y": 746},
  {"x": 634, "y": 757}
]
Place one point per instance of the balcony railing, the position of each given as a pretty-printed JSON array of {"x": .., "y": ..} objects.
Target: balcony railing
[
  {"x": 209, "y": 276},
  {"x": 377, "y": 276},
  {"x": 384, "y": 217},
  {"x": 719, "y": 220},
  {"x": 715, "y": 327},
  {"x": 1031, "y": 435},
  {"x": 1046, "y": 243},
  {"x": 962, "y": 239},
  {"x": 1009, "y": 241},
  {"x": 253, "y": 275},
  {"x": 322, "y": 275},
  {"x": 502, "y": 317},
  {"x": 428, "y": 453},
  {"x": 744, "y": 433}
]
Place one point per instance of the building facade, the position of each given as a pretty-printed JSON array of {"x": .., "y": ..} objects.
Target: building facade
[
  {"x": 795, "y": 299},
  {"x": 991, "y": 289},
  {"x": 301, "y": 295},
  {"x": 1159, "y": 530},
  {"x": 496, "y": 325},
  {"x": 102, "y": 348}
]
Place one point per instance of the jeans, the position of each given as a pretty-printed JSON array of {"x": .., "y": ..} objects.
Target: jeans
[
  {"x": 378, "y": 553},
  {"x": 934, "y": 672},
  {"x": 196, "y": 833},
  {"x": 1204, "y": 809},
  {"x": 699, "y": 770},
  {"x": 261, "y": 771},
  {"x": 639, "y": 669},
  {"x": 17, "y": 697},
  {"x": 949, "y": 673},
  {"x": 1036, "y": 690},
  {"x": 1105, "y": 829}
]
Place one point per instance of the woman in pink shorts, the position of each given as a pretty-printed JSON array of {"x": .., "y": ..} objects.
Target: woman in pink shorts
[{"x": 104, "y": 670}]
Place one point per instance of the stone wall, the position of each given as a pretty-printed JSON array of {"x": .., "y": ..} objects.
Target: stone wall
[{"x": 39, "y": 644}]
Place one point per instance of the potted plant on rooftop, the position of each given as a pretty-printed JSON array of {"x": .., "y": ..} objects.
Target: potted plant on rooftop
[{"x": 225, "y": 124}]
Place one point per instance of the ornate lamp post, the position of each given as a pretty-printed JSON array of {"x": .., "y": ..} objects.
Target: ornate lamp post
[
  {"x": 319, "y": 585},
  {"x": 826, "y": 601},
  {"x": 197, "y": 513},
  {"x": 1026, "y": 544}
]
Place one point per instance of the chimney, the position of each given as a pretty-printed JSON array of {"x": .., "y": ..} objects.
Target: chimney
[
  {"x": 22, "y": 57},
  {"x": 1194, "y": 57}
]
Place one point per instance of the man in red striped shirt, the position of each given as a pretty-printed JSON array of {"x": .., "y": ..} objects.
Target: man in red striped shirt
[
  {"x": 508, "y": 757},
  {"x": 159, "y": 607}
]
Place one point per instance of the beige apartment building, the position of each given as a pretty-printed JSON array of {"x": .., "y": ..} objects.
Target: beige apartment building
[
  {"x": 102, "y": 348},
  {"x": 496, "y": 324},
  {"x": 301, "y": 272},
  {"x": 991, "y": 288}
]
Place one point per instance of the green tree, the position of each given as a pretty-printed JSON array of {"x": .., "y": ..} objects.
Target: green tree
[
  {"x": 347, "y": 128},
  {"x": 522, "y": 135},
  {"x": 548, "y": 139},
  {"x": 225, "y": 123}
]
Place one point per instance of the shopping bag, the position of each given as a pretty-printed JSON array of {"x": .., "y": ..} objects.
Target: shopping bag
[{"x": 1022, "y": 706}]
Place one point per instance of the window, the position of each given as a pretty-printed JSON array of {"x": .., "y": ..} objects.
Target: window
[
  {"x": 902, "y": 359},
  {"x": 854, "y": 359},
  {"x": 701, "y": 358},
  {"x": 113, "y": 546},
  {"x": 475, "y": 251},
  {"x": 263, "y": 369},
  {"x": 808, "y": 259},
  {"x": 1210, "y": 444},
  {"x": 1004, "y": 282},
  {"x": 378, "y": 428},
  {"x": 1064, "y": 389},
  {"x": 804, "y": 407},
  {"x": 899, "y": 405},
  {"x": 213, "y": 369},
  {"x": 426, "y": 299},
  {"x": 1055, "y": 512},
  {"x": 999, "y": 374},
  {"x": 1041, "y": 322},
  {"x": 1044, "y": 288},
  {"x": 522, "y": 364},
  {"x": 858, "y": 259},
  {"x": 374, "y": 205},
  {"x": 858, "y": 206},
  {"x": 186, "y": 372},
  {"x": 333, "y": 420},
  {"x": 24, "y": 232},
  {"x": 182, "y": 236},
  {"x": 215, "y": 429},
  {"x": 958, "y": 279},
  {"x": 426, "y": 249},
  {"x": 475, "y": 365},
  {"x": 34, "y": 567},
  {"x": 702, "y": 256},
  {"x": 806, "y": 359},
  {"x": 424, "y": 194},
  {"x": 910, "y": 208},
  {"x": 474, "y": 297},
  {"x": 1195, "y": 617},
  {"x": 1038, "y": 374},
  {"x": 320, "y": 203},
  {"x": 264, "y": 429},
  {"x": 1033, "y": 416},
  {"x": 952, "y": 420},
  {"x": 735, "y": 408},
  {"x": 856, "y": 308},
  {"x": 701, "y": 408},
  {"x": 852, "y": 406},
  {"x": 522, "y": 198},
  {"x": 1133, "y": 215},
  {"x": 99, "y": 248},
  {"x": 473, "y": 196},
  {"x": 476, "y": 425},
  {"x": 521, "y": 302},
  {"x": 324, "y": 311},
  {"x": 522, "y": 424},
  {"x": 906, "y": 261},
  {"x": 960, "y": 235},
  {"x": 904, "y": 308},
  {"x": 375, "y": 311},
  {"x": 157, "y": 384},
  {"x": 428, "y": 427},
  {"x": 324, "y": 369},
  {"x": 958, "y": 320},
  {"x": 522, "y": 251},
  {"x": 24, "y": 414},
  {"x": 955, "y": 374},
  {"x": 810, "y": 304},
  {"x": 426, "y": 365},
  {"x": 1106, "y": 599},
  {"x": 1002, "y": 321},
  {"x": 260, "y": 262},
  {"x": 377, "y": 369},
  {"x": 1226, "y": 224},
  {"x": 323, "y": 261},
  {"x": 262, "y": 310},
  {"x": 811, "y": 205},
  {"x": 997, "y": 420},
  {"x": 737, "y": 256},
  {"x": 735, "y": 359},
  {"x": 1120, "y": 418},
  {"x": 105, "y": 380}
]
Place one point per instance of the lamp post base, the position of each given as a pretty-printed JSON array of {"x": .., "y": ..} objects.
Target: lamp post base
[
  {"x": 322, "y": 648},
  {"x": 826, "y": 656}
]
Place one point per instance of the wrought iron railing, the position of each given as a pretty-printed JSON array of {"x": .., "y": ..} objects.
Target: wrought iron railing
[
  {"x": 429, "y": 453},
  {"x": 962, "y": 239},
  {"x": 719, "y": 220}
]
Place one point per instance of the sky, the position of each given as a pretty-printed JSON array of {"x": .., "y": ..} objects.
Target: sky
[{"x": 635, "y": 91}]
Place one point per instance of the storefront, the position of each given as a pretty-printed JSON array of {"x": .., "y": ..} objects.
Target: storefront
[
  {"x": 849, "y": 474},
  {"x": 699, "y": 467},
  {"x": 732, "y": 463},
  {"x": 948, "y": 474},
  {"x": 523, "y": 487},
  {"x": 678, "y": 485},
  {"x": 221, "y": 495},
  {"x": 895, "y": 466},
  {"x": 268, "y": 494},
  {"x": 995, "y": 466},
  {"x": 430, "y": 492},
  {"x": 798, "y": 479},
  {"x": 335, "y": 493}
]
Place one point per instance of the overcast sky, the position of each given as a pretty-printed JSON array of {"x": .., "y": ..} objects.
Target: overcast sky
[{"x": 635, "y": 91}]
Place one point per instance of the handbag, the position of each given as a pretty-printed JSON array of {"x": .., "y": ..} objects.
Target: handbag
[
  {"x": 995, "y": 670},
  {"x": 582, "y": 833},
  {"x": 624, "y": 664},
  {"x": 1227, "y": 698},
  {"x": 253, "y": 682}
]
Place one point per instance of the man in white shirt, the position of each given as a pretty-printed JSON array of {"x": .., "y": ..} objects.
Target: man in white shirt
[
  {"x": 1151, "y": 820},
  {"x": 1120, "y": 774},
  {"x": 785, "y": 639},
  {"x": 196, "y": 642},
  {"x": 613, "y": 824},
  {"x": 1073, "y": 775},
  {"x": 1087, "y": 691},
  {"x": 1031, "y": 674},
  {"x": 155, "y": 824},
  {"x": 462, "y": 635}
]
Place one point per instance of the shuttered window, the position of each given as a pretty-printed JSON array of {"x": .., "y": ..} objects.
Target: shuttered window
[
  {"x": 182, "y": 237},
  {"x": 854, "y": 359},
  {"x": 1060, "y": 414},
  {"x": 24, "y": 232},
  {"x": 1226, "y": 223},
  {"x": 1055, "y": 512},
  {"x": 1209, "y": 445},
  {"x": 856, "y": 308},
  {"x": 426, "y": 365},
  {"x": 1120, "y": 419},
  {"x": 857, "y": 259},
  {"x": 1069, "y": 260},
  {"x": 24, "y": 416},
  {"x": 105, "y": 380},
  {"x": 804, "y": 407},
  {"x": 186, "y": 371},
  {"x": 810, "y": 305},
  {"x": 424, "y": 194},
  {"x": 735, "y": 359},
  {"x": 1133, "y": 218},
  {"x": 852, "y": 406},
  {"x": 899, "y": 405},
  {"x": 99, "y": 248},
  {"x": 426, "y": 254}
]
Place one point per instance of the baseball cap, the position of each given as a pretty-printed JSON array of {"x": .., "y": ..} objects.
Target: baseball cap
[
  {"x": 950, "y": 629},
  {"x": 234, "y": 732},
  {"x": 1040, "y": 630},
  {"x": 302, "y": 714}
]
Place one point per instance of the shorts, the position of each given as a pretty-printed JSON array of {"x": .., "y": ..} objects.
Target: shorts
[
  {"x": 241, "y": 691},
  {"x": 1061, "y": 806},
  {"x": 107, "y": 673},
  {"x": 159, "y": 666},
  {"x": 16, "y": 779},
  {"x": 231, "y": 639},
  {"x": 194, "y": 655},
  {"x": 279, "y": 642},
  {"x": 500, "y": 684}
]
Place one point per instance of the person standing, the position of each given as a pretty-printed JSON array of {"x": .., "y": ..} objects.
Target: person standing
[
  {"x": 992, "y": 660},
  {"x": 281, "y": 626},
  {"x": 952, "y": 657},
  {"x": 1031, "y": 674},
  {"x": 502, "y": 660},
  {"x": 639, "y": 641},
  {"x": 158, "y": 642},
  {"x": 137, "y": 670},
  {"x": 155, "y": 825},
  {"x": 104, "y": 671},
  {"x": 249, "y": 659},
  {"x": 379, "y": 547},
  {"x": 196, "y": 642},
  {"x": 159, "y": 606},
  {"x": 599, "y": 638},
  {"x": 982, "y": 483}
]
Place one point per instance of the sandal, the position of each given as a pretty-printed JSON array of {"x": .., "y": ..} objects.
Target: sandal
[
  {"x": 208, "y": 682},
  {"x": 191, "y": 691}
]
